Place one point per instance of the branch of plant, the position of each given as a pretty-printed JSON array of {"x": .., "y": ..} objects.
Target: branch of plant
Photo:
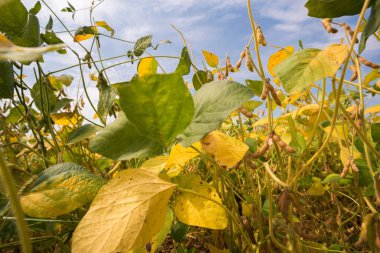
[{"x": 9, "y": 185}]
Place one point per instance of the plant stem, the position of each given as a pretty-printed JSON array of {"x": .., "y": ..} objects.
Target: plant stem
[{"x": 8, "y": 182}]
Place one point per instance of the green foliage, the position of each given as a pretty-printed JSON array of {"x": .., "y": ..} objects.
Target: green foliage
[
  {"x": 13, "y": 17},
  {"x": 122, "y": 140},
  {"x": 184, "y": 64},
  {"x": 333, "y": 8},
  {"x": 6, "y": 80},
  {"x": 371, "y": 26},
  {"x": 213, "y": 103},
  {"x": 142, "y": 44},
  {"x": 160, "y": 106},
  {"x": 180, "y": 169}
]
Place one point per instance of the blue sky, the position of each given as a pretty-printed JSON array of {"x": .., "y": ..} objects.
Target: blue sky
[{"x": 218, "y": 26}]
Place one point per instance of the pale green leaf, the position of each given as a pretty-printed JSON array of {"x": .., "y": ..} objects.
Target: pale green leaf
[{"x": 213, "y": 103}]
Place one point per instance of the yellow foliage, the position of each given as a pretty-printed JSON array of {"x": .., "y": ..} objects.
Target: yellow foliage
[
  {"x": 147, "y": 66},
  {"x": 277, "y": 58},
  {"x": 226, "y": 150},
  {"x": 211, "y": 59},
  {"x": 180, "y": 155}
]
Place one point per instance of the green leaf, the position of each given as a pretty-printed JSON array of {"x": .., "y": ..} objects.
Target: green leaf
[
  {"x": 142, "y": 44},
  {"x": 333, "y": 8},
  {"x": 365, "y": 177},
  {"x": 199, "y": 79},
  {"x": 49, "y": 25},
  {"x": 125, "y": 215},
  {"x": 15, "y": 114},
  {"x": 6, "y": 80},
  {"x": 30, "y": 33},
  {"x": 375, "y": 132},
  {"x": 82, "y": 133},
  {"x": 36, "y": 9},
  {"x": 13, "y": 17},
  {"x": 335, "y": 178},
  {"x": 255, "y": 85},
  {"x": 179, "y": 232},
  {"x": 160, "y": 106},
  {"x": 371, "y": 26},
  {"x": 61, "y": 103},
  {"x": 195, "y": 210},
  {"x": 59, "y": 190},
  {"x": 309, "y": 65},
  {"x": 252, "y": 104},
  {"x": 213, "y": 103},
  {"x": 121, "y": 140},
  {"x": 184, "y": 64},
  {"x": 43, "y": 95},
  {"x": 107, "y": 96}
]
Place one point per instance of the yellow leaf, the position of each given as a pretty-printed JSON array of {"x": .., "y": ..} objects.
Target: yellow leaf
[
  {"x": 211, "y": 59},
  {"x": 339, "y": 131},
  {"x": 126, "y": 213},
  {"x": 82, "y": 37},
  {"x": 279, "y": 57},
  {"x": 195, "y": 210},
  {"x": 214, "y": 249},
  {"x": 373, "y": 109},
  {"x": 96, "y": 116},
  {"x": 180, "y": 155},
  {"x": 154, "y": 165},
  {"x": 147, "y": 66},
  {"x": 309, "y": 110},
  {"x": 337, "y": 54},
  {"x": 226, "y": 150},
  {"x": 344, "y": 155},
  {"x": 373, "y": 75},
  {"x": 65, "y": 119},
  {"x": 105, "y": 26}
]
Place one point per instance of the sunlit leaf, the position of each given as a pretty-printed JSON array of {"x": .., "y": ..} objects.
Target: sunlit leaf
[
  {"x": 85, "y": 33},
  {"x": 373, "y": 75},
  {"x": 309, "y": 65},
  {"x": 105, "y": 26},
  {"x": 213, "y": 103},
  {"x": 154, "y": 165},
  {"x": 60, "y": 189},
  {"x": 345, "y": 154},
  {"x": 226, "y": 150},
  {"x": 211, "y": 59},
  {"x": 372, "y": 109},
  {"x": 65, "y": 118},
  {"x": 197, "y": 211},
  {"x": 126, "y": 213},
  {"x": 147, "y": 66},
  {"x": 180, "y": 155},
  {"x": 8, "y": 51},
  {"x": 279, "y": 57},
  {"x": 160, "y": 106}
]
